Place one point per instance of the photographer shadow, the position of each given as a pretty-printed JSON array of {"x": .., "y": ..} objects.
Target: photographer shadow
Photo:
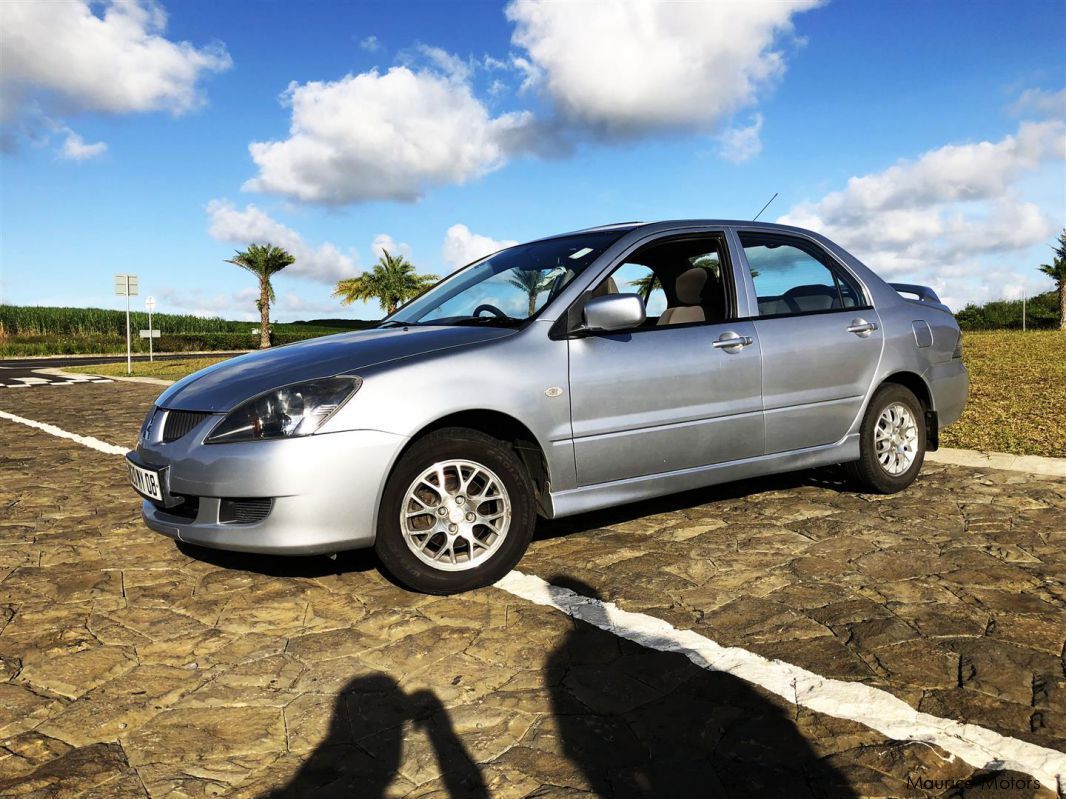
[
  {"x": 362, "y": 752},
  {"x": 638, "y": 722}
]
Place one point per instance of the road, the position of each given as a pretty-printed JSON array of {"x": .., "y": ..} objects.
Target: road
[{"x": 776, "y": 637}]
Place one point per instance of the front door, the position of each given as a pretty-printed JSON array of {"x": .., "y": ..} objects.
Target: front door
[{"x": 683, "y": 390}]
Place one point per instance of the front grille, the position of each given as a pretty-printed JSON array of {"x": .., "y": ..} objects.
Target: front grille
[
  {"x": 243, "y": 511},
  {"x": 178, "y": 423}
]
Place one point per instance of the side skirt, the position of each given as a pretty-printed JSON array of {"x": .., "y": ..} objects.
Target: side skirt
[{"x": 635, "y": 489}]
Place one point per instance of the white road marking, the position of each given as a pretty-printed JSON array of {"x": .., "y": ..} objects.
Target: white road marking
[
  {"x": 30, "y": 382},
  {"x": 87, "y": 441},
  {"x": 879, "y": 710}
]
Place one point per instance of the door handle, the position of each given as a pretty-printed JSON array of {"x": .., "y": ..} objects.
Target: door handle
[
  {"x": 733, "y": 341},
  {"x": 860, "y": 326}
]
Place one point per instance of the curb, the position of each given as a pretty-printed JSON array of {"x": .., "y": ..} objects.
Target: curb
[
  {"x": 155, "y": 381},
  {"x": 1032, "y": 464}
]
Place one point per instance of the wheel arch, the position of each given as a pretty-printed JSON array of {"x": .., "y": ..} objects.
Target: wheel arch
[
  {"x": 916, "y": 384},
  {"x": 506, "y": 428}
]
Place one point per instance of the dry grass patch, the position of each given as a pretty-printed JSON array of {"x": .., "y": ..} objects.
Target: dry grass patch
[
  {"x": 1017, "y": 393},
  {"x": 166, "y": 369}
]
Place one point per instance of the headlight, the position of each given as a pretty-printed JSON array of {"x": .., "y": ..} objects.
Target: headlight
[{"x": 296, "y": 410}]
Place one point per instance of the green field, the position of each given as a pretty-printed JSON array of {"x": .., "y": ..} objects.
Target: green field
[
  {"x": 37, "y": 330},
  {"x": 1017, "y": 391}
]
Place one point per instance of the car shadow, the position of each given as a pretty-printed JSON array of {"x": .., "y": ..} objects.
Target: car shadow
[
  {"x": 364, "y": 560},
  {"x": 351, "y": 561},
  {"x": 826, "y": 477}
]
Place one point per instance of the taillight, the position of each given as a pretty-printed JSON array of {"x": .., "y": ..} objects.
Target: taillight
[{"x": 957, "y": 353}]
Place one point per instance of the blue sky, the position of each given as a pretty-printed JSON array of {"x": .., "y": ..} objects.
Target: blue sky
[{"x": 926, "y": 137}]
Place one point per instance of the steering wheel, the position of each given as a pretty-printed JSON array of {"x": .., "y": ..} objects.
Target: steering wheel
[{"x": 491, "y": 309}]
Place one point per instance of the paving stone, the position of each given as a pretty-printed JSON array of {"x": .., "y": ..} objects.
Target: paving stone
[{"x": 132, "y": 667}]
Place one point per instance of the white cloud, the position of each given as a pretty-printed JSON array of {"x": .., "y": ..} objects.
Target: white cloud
[
  {"x": 383, "y": 242},
  {"x": 370, "y": 44},
  {"x": 448, "y": 63},
  {"x": 954, "y": 218},
  {"x": 378, "y": 136},
  {"x": 238, "y": 305},
  {"x": 291, "y": 302},
  {"x": 462, "y": 246},
  {"x": 324, "y": 263},
  {"x": 740, "y": 144},
  {"x": 1041, "y": 102},
  {"x": 110, "y": 57},
  {"x": 632, "y": 66},
  {"x": 75, "y": 148}
]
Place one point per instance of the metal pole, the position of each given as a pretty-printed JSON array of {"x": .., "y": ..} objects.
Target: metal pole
[
  {"x": 151, "y": 357},
  {"x": 129, "y": 356}
]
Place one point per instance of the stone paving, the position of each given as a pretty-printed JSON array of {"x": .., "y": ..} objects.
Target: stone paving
[{"x": 130, "y": 667}]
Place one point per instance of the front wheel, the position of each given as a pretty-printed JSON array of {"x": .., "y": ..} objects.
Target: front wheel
[
  {"x": 891, "y": 442},
  {"x": 457, "y": 513}
]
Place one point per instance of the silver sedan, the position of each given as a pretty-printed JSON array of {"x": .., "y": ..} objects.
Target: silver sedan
[{"x": 564, "y": 375}]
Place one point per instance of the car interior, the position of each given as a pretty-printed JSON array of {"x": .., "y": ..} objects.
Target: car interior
[
  {"x": 792, "y": 279},
  {"x": 681, "y": 282}
]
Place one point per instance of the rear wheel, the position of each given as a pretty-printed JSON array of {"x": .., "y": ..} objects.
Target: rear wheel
[
  {"x": 457, "y": 513},
  {"x": 891, "y": 442}
]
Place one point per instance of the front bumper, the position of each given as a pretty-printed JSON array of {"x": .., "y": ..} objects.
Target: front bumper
[{"x": 324, "y": 489}]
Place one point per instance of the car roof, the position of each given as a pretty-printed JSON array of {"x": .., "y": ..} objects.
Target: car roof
[{"x": 669, "y": 224}]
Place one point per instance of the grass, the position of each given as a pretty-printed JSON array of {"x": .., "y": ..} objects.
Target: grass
[
  {"x": 166, "y": 369},
  {"x": 1017, "y": 391},
  {"x": 26, "y": 331}
]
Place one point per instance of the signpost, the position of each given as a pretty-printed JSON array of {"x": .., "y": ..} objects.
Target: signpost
[
  {"x": 149, "y": 303},
  {"x": 126, "y": 286}
]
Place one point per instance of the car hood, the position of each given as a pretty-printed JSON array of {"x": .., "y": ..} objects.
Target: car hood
[{"x": 226, "y": 385}]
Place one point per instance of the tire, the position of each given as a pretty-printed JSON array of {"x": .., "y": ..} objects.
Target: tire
[
  {"x": 870, "y": 472},
  {"x": 476, "y": 553}
]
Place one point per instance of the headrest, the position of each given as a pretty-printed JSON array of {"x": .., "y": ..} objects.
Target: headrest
[
  {"x": 606, "y": 287},
  {"x": 690, "y": 284}
]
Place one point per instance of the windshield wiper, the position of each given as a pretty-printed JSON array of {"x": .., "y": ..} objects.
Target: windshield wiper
[
  {"x": 485, "y": 321},
  {"x": 395, "y": 323}
]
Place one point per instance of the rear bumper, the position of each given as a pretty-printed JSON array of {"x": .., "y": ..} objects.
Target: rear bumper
[
  {"x": 950, "y": 384},
  {"x": 324, "y": 489}
]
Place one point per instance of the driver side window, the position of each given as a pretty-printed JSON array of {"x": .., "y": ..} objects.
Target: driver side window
[
  {"x": 681, "y": 280},
  {"x": 639, "y": 279}
]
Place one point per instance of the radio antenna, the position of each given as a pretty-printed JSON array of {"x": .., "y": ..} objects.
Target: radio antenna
[{"x": 765, "y": 206}]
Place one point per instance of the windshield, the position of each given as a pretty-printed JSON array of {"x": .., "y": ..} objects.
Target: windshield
[{"x": 509, "y": 287}]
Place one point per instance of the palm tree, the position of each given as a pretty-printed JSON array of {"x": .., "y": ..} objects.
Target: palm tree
[
  {"x": 646, "y": 285},
  {"x": 263, "y": 261},
  {"x": 1056, "y": 270},
  {"x": 391, "y": 282},
  {"x": 532, "y": 282}
]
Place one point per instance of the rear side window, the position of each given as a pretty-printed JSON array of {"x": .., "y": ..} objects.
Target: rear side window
[{"x": 793, "y": 276}]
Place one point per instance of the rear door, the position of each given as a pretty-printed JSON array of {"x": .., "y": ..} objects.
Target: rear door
[
  {"x": 665, "y": 397},
  {"x": 821, "y": 339}
]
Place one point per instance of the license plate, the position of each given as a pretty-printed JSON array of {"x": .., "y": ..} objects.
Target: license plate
[{"x": 145, "y": 481}]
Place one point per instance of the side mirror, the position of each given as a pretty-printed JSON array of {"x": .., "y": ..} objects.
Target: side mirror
[{"x": 613, "y": 312}]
